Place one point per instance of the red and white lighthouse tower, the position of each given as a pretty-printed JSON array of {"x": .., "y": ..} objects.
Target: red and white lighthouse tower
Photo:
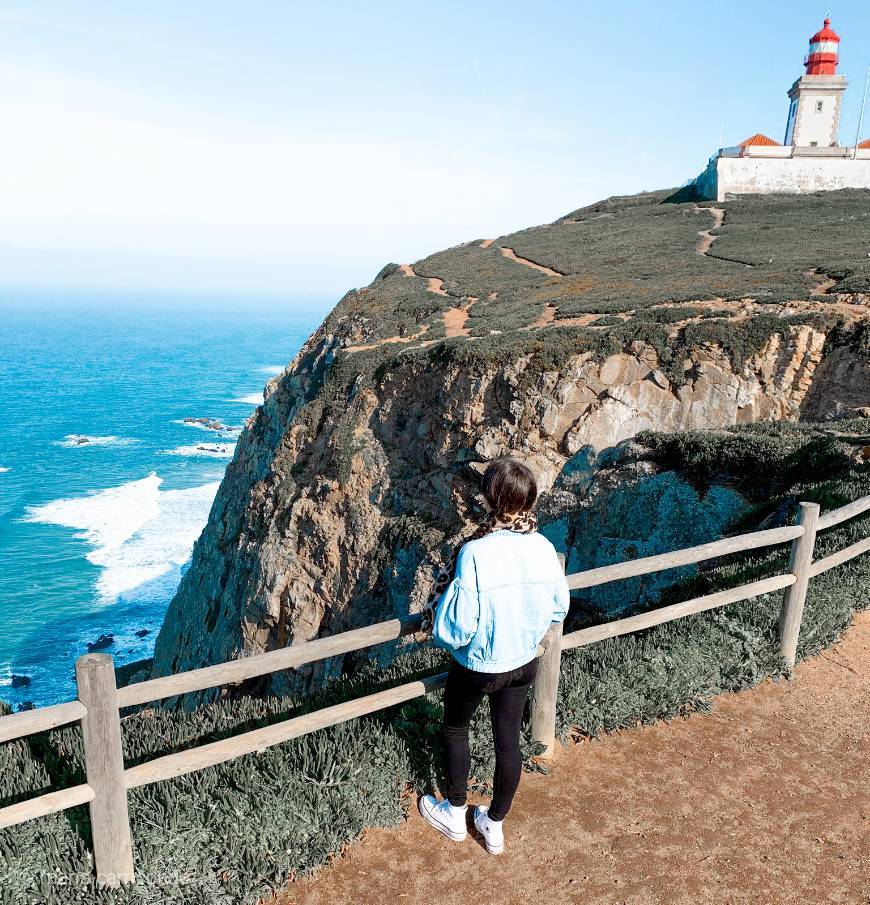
[
  {"x": 817, "y": 97},
  {"x": 824, "y": 51}
]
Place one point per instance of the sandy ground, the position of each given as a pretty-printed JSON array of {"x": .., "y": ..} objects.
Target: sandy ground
[
  {"x": 433, "y": 284},
  {"x": 825, "y": 283},
  {"x": 455, "y": 319},
  {"x": 766, "y": 800},
  {"x": 546, "y": 317}
]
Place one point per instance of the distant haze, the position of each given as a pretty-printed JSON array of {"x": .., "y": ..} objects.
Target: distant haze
[{"x": 297, "y": 147}]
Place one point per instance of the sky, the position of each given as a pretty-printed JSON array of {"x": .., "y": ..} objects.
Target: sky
[{"x": 289, "y": 148}]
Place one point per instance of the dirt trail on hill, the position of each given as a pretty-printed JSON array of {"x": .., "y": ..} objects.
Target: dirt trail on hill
[
  {"x": 825, "y": 284},
  {"x": 390, "y": 340},
  {"x": 766, "y": 801},
  {"x": 705, "y": 242},
  {"x": 455, "y": 318},
  {"x": 546, "y": 317},
  {"x": 433, "y": 284},
  {"x": 511, "y": 255}
]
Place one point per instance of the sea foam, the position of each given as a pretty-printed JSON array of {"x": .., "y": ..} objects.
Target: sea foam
[
  {"x": 77, "y": 441},
  {"x": 206, "y": 450},
  {"x": 138, "y": 532},
  {"x": 250, "y": 399},
  {"x": 2, "y": 469},
  {"x": 272, "y": 369}
]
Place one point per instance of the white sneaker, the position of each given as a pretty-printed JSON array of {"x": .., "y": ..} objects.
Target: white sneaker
[
  {"x": 444, "y": 817},
  {"x": 491, "y": 830}
]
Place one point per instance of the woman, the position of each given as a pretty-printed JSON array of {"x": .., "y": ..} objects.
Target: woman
[{"x": 507, "y": 589}]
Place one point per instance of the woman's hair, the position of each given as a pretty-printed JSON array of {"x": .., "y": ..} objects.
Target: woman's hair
[{"x": 509, "y": 487}]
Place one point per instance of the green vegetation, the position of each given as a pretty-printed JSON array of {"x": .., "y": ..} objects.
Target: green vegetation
[
  {"x": 607, "y": 320},
  {"x": 676, "y": 667},
  {"x": 234, "y": 832},
  {"x": 635, "y": 254},
  {"x": 761, "y": 460},
  {"x": 795, "y": 233}
]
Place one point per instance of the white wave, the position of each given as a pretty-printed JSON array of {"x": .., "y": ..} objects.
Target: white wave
[
  {"x": 209, "y": 450},
  {"x": 75, "y": 441},
  {"x": 2, "y": 469},
  {"x": 138, "y": 532},
  {"x": 250, "y": 399},
  {"x": 272, "y": 369}
]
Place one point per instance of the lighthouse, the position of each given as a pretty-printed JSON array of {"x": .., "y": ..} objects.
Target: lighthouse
[
  {"x": 817, "y": 96},
  {"x": 811, "y": 158}
]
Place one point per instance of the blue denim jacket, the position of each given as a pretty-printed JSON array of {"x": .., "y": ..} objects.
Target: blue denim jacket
[{"x": 507, "y": 591}]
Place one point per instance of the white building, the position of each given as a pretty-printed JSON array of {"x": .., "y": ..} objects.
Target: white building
[{"x": 811, "y": 158}]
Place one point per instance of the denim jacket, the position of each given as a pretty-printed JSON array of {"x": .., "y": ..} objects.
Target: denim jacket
[{"x": 507, "y": 591}]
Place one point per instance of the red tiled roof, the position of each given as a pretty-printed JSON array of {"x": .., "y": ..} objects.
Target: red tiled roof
[
  {"x": 865, "y": 143},
  {"x": 758, "y": 139}
]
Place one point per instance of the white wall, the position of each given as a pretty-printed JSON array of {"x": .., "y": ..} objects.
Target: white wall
[
  {"x": 751, "y": 176},
  {"x": 812, "y": 125}
]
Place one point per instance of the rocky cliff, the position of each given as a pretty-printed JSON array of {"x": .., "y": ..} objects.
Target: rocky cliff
[{"x": 556, "y": 344}]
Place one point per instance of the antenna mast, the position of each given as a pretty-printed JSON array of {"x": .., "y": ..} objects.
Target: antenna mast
[{"x": 861, "y": 117}]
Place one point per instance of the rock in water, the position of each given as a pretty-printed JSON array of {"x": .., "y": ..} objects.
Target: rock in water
[
  {"x": 360, "y": 471},
  {"x": 101, "y": 643},
  {"x": 20, "y": 681}
]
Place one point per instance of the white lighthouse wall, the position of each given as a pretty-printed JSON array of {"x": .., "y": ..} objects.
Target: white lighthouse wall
[
  {"x": 798, "y": 175},
  {"x": 817, "y": 126}
]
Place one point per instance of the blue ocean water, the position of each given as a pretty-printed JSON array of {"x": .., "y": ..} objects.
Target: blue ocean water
[{"x": 103, "y": 487}]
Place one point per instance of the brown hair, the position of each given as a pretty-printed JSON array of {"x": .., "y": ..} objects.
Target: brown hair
[{"x": 509, "y": 487}]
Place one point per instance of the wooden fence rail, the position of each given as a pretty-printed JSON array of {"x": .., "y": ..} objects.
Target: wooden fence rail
[{"x": 99, "y": 703}]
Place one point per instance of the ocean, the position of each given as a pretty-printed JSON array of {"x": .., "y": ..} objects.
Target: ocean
[{"x": 104, "y": 486}]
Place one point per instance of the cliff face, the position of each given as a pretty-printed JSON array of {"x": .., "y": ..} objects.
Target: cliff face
[{"x": 358, "y": 473}]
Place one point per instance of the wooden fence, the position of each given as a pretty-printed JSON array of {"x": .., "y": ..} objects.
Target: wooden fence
[{"x": 99, "y": 701}]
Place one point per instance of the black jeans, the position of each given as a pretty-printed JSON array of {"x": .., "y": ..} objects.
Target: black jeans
[{"x": 508, "y": 692}]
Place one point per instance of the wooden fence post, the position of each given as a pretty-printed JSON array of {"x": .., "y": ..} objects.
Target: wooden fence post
[
  {"x": 545, "y": 690},
  {"x": 104, "y": 766},
  {"x": 796, "y": 594}
]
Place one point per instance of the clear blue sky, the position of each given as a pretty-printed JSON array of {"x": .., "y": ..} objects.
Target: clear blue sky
[{"x": 289, "y": 147}]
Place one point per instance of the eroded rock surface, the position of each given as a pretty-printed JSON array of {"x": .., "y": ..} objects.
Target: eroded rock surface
[{"x": 331, "y": 518}]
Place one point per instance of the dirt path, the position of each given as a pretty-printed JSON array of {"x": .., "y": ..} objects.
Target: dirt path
[
  {"x": 511, "y": 255},
  {"x": 546, "y": 317},
  {"x": 455, "y": 318},
  {"x": 825, "y": 284},
  {"x": 764, "y": 801},
  {"x": 407, "y": 269},
  {"x": 433, "y": 284},
  {"x": 390, "y": 340},
  {"x": 705, "y": 240}
]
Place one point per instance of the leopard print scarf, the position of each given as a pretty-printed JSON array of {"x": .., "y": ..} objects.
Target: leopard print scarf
[{"x": 522, "y": 523}]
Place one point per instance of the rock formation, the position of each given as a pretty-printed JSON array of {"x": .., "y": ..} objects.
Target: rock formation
[{"x": 359, "y": 472}]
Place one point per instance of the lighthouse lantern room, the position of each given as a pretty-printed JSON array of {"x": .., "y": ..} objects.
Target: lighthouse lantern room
[{"x": 817, "y": 96}]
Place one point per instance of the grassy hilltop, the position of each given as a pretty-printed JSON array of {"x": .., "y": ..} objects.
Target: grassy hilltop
[{"x": 632, "y": 268}]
